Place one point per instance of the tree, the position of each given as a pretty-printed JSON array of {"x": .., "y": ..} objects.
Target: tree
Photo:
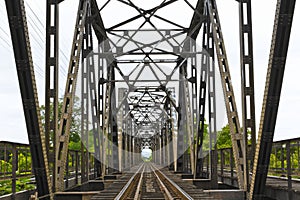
[
  {"x": 224, "y": 138},
  {"x": 75, "y": 142}
]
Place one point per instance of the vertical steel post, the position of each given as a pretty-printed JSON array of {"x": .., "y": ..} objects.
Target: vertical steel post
[
  {"x": 298, "y": 151},
  {"x": 76, "y": 167},
  {"x": 51, "y": 81},
  {"x": 101, "y": 106},
  {"x": 247, "y": 82},
  {"x": 85, "y": 105},
  {"x": 212, "y": 108},
  {"x": 89, "y": 61},
  {"x": 289, "y": 169},
  {"x": 67, "y": 171},
  {"x": 14, "y": 169},
  {"x": 113, "y": 122},
  {"x": 222, "y": 165},
  {"x": 231, "y": 166},
  {"x": 181, "y": 118},
  {"x": 169, "y": 128},
  {"x": 202, "y": 98}
]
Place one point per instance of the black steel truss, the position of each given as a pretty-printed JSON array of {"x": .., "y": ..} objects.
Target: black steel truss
[
  {"x": 150, "y": 106},
  {"x": 25, "y": 69},
  {"x": 51, "y": 81},
  {"x": 247, "y": 82},
  {"x": 279, "y": 48},
  {"x": 62, "y": 139}
]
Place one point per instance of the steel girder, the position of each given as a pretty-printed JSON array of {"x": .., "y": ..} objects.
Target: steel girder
[
  {"x": 62, "y": 140},
  {"x": 51, "y": 82},
  {"x": 87, "y": 47},
  {"x": 272, "y": 93},
  {"x": 192, "y": 34},
  {"x": 24, "y": 64},
  {"x": 93, "y": 94},
  {"x": 107, "y": 111},
  {"x": 279, "y": 48},
  {"x": 212, "y": 108},
  {"x": 169, "y": 131},
  {"x": 123, "y": 131},
  {"x": 202, "y": 97},
  {"x": 180, "y": 135},
  {"x": 113, "y": 120},
  {"x": 247, "y": 82},
  {"x": 237, "y": 138}
]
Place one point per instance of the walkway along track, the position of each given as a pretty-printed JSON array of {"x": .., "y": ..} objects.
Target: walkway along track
[{"x": 149, "y": 183}]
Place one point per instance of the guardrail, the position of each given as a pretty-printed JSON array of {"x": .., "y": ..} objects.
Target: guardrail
[
  {"x": 16, "y": 167},
  {"x": 15, "y": 163},
  {"x": 284, "y": 162}
]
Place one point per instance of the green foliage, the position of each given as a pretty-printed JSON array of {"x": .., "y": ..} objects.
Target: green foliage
[
  {"x": 75, "y": 126},
  {"x": 5, "y": 166},
  {"x": 74, "y": 145},
  {"x": 24, "y": 163},
  {"x": 75, "y": 122},
  {"x": 224, "y": 138},
  {"x": 205, "y": 138},
  {"x": 91, "y": 142},
  {"x": 21, "y": 184}
]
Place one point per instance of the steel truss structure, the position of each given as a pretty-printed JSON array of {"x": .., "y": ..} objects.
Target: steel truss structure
[{"x": 149, "y": 86}]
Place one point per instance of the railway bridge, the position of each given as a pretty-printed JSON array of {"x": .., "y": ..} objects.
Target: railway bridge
[{"x": 147, "y": 86}]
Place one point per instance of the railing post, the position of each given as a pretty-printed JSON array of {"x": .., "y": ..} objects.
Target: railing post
[
  {"x": 289, "y": 171},
  {"x": 282, "y": 158},
  {"x": 298, "y": 155},
  {"x": 76, "y": 167},
  {"x": 67, "y": 171},
  {"x": 222, "y": 165},
  {"x": 276, "y": 157},
  {"x": 231, "y": 166},
  {"x": 14, "y": 169}
]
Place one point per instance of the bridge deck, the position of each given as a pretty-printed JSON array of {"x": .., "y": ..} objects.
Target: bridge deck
[{"x": 112, "y": 189}]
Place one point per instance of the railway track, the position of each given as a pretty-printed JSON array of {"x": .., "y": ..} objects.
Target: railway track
[
  {"x": 151, "y": 183},
  {"x": 148, "y": 182}
]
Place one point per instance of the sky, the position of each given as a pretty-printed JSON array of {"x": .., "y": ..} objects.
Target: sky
[{"x": 12, "y": 122}]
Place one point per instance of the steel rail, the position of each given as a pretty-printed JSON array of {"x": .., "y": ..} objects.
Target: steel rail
[
  {"x": 163, "y": 186},
  {"x": 178, "y": 190},
  {"x": 129, "y": 185},
  {"x": 139, "y": 186}
]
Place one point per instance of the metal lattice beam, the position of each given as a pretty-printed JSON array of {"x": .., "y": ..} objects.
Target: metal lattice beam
[
  {"x": 62, "y": 139},
  {"x": 25, "y": 69},
  {"x": 247, "y": 81},
  {"x": 237, "y": 138},
  {"x": 202, "y": 97},
  {"x": 279, "y": 48},
  {"x": 86, "y": 48},
  {"x": 51, "y": 81}
]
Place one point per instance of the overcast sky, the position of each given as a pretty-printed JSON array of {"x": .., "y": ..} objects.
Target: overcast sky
[{"x": 12, "y": 122}]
